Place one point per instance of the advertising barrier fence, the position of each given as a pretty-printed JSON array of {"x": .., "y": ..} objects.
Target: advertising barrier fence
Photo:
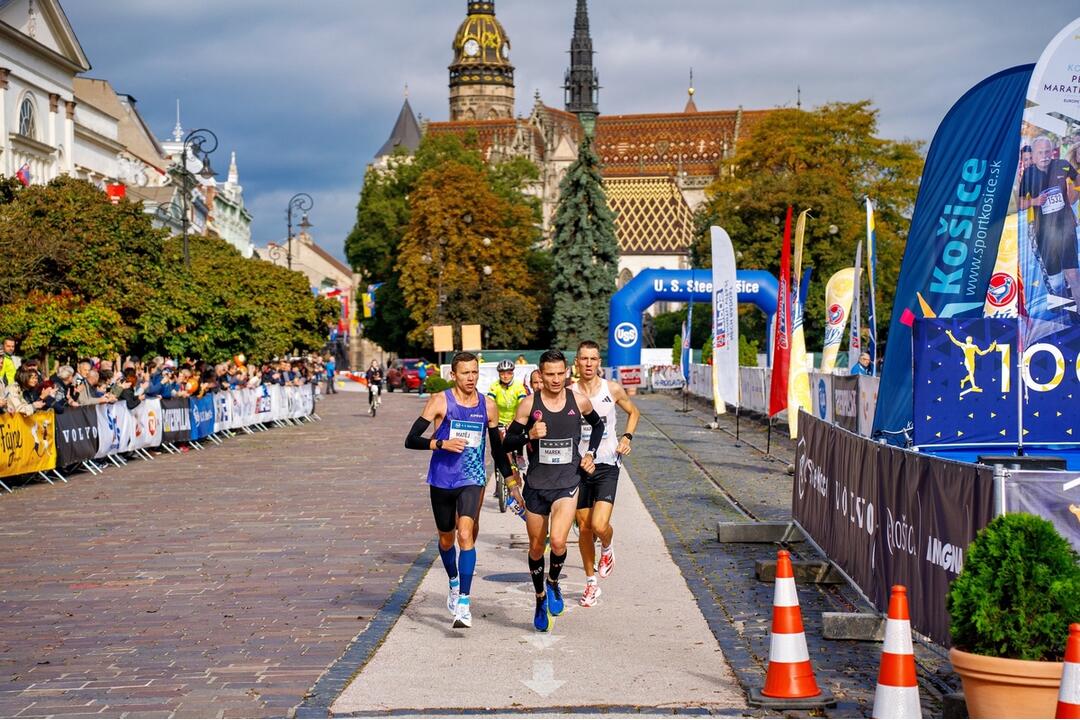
[
  {"x": 1053, "y": 495},
  {"x": 666, "y": 377},
  {"x": 44, "y": 441},
  {"x": 888, "y": 516}
]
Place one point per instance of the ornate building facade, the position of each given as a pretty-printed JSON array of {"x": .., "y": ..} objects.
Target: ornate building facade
[{"x": 656, "y": 166}]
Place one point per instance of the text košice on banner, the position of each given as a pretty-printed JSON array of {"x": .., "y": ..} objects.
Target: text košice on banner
[
  {"x": 889, "y": 516},
  {"x": 955, "y": 228},
  {"x": 27, "y": 443}
]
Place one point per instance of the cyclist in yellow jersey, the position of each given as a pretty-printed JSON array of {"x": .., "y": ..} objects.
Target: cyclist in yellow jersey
[{"x": 507, "y": 393}]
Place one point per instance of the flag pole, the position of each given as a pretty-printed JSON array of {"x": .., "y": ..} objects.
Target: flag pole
[{"x": 689, "y": 347}]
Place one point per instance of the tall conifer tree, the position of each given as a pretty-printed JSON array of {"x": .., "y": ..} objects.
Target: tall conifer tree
[{"x": 585, "y": 251}]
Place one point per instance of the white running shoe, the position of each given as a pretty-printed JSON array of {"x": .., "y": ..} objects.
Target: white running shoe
[
  {"x": 463, "y": 613},
  {"x": 607, "y": 561},
  {"x": 591, "y": 595},
  {"x": 452, "y": 596}
]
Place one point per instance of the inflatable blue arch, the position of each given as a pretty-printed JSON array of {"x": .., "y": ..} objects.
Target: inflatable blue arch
[{"x": 757, "y": 287}]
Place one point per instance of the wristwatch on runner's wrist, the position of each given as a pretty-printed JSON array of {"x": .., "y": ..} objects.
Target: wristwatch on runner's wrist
[
  {"x": 438, "y": 444},
  {"x": 628, "y": 436}
]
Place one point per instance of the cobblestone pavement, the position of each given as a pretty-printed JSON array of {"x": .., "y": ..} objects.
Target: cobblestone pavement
[
  {"x": 671, "y": 478},
  {"x": 213, "y": 584}
]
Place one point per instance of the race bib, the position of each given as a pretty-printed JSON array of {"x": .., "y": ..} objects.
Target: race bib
[
  {"x": 586, "y": 432},
  {"x": 556, "y": 452},
  {"x": 1053, "y": 200},
  {"x": 471, "y": 432}
]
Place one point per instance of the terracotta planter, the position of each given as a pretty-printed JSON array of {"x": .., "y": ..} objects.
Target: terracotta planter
[{"x": 1004, "y": 688}]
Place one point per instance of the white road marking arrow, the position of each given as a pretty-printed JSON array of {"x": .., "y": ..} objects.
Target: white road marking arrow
[
  {"x": 541, "y": 641},
  {"x": 1071, "y": 484},
  {"x": 543, "y": 681}
]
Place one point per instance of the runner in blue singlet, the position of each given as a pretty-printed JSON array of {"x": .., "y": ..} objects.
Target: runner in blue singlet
[{"x": 456, "y": 475}]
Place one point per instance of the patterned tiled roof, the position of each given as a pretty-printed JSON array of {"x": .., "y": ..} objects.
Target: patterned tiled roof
[
  {"x": 496, "y": 136},
  {"x": 652, "y": 217},
  {"x": 670, "y": 143}
]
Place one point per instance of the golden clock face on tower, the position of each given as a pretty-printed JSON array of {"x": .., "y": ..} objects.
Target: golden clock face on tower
[{"x": 471, "y": 48}]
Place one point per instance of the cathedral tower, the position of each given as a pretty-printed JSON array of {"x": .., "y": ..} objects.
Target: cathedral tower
[
  {"x": 481, "y": 76},
  {"x": 582, "y": 82}
]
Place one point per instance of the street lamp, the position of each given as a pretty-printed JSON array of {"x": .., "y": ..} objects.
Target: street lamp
[
  {"x": 199, "y": 143},
  {"x": 303, "y": 203}
]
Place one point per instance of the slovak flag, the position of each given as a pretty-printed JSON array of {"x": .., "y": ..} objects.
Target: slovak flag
[{"x": 23, "y": 174}]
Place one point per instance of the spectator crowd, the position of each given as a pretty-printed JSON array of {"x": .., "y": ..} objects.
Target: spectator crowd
[{"x": 27, "y": 386}]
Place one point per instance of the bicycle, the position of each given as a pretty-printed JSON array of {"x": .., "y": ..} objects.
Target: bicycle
[{"x": 373, "y": 399}]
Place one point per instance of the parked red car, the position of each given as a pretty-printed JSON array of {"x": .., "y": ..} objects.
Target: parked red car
[{"x": 404, "y": 376}]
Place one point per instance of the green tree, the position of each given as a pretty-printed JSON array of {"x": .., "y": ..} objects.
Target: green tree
[
  {"x": 586, "y": 254},
  {"x": 828, "y": 159},
  {"x": 374, "y": 247},
  {"x": 62, "y": 326},
  {"x": 463, "y": 257}
]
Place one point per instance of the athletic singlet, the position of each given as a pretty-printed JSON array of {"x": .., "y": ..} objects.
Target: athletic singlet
[
  {"x": 604, "y": 404},
  {"x": 449, "y": 470},
  {"x": 554, "y": 460}
]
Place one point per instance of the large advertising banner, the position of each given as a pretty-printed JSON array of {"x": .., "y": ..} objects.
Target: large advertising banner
[
  {"x": 1053, "y": 495},
  {"x": 955, "y": 228},
  {"x": 116, "y": 429},
  {"x": 146, "y": 417},
  {"x": 868, "y": 392},
  {"x": 1045, "y": 194},
  {"x": 889, "y": 516},
  {"x": 202, "y": 416},
  {"x": 967, "y": 376},
  {"x": 76, "y": 435},
  {"x": 845, "y": 404},
  {"x": 223, "y": 411},
  {"x": 837, "y": 308},
  {"x": 27, "y": 443},
  {"x": 725, "y": 370},
  {"x": 798, "y": 379},
  {"x": 176, "y": 420},
  {"x": 821, "y": 391}
]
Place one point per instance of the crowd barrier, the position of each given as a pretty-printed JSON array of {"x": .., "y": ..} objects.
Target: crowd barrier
[
  {"x": 1050, "y": 494},
  {"x": 666, "y": 377},
  {"x": 888, "y": 516},
  {"x": 46, "y": 442}
]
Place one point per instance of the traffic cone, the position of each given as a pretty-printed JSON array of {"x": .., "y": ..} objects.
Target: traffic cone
[
  {"x": 1069, "y": 696},
  {"x": 897, "y": 694},
  {"x": 790, "y": 674}
]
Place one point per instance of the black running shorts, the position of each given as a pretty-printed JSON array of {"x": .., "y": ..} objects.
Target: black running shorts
[
  {"x": 539, "y": 502},
  {"x": 600, "y": 486},
  {"x": 447, "y": 505}
]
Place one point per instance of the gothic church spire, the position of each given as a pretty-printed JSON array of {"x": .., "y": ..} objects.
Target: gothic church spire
[{"x": 582, "y": 82}]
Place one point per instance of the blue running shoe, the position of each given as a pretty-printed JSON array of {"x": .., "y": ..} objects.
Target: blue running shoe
[
  {"x": 541, "y": 620},
  {"x": 554, "y": 598}
]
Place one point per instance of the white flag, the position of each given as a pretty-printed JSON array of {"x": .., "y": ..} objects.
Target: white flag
[{"x": 725, "y": 324}]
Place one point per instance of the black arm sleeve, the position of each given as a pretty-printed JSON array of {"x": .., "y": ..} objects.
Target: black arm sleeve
[
  {"x": 498, "y": 453},
  {"x": 515, "y": 437},
  {"x": 597, "y": 435},
  {"x": 415, "y": 440}
]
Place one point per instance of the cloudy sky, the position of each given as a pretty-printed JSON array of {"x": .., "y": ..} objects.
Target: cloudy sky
[{"x": 306, "y": 92}]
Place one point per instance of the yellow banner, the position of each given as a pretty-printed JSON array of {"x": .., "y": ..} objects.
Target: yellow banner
[
  {"x": 798, "y": 379},
  {"x": 838, "y": 294},
  {"x": 1004, "y": 289},
  {"x": 27, "y": 444}
]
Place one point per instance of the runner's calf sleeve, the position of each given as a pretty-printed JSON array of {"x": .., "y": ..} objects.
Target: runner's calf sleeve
[
  {"x": 556, "y": 566},
  {"x": 597, "y": 435},
  {"x": 466, "y": 566},
  {"x": 536, "y": 570},
  {"x": 498, "y": 453},
  {"x": 415, "y": 440},
  {"x": 449, "y": 561},
  {"x": 515, "y": 437}
]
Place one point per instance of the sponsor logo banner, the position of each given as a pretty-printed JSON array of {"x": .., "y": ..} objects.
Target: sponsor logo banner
[
  {"x": 176, "y": 420},
  {"x": 1051, "y": 495},
  {"x": 116, "y": 429},
  {"x": 889, "y": 516},
  {"x": 845, "y": 403},
  {"x": 955, "y": 228},
  {"x": 27, "y": 443},
  {"x": 147, "y": 429},
  {"x": 838, "y": 292},
  {"x": 76, "y": 435},
  {"x": 202, "y": 416}
]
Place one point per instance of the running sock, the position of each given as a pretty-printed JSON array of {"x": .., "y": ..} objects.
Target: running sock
[
  {"x": 590, "y": 580},
  {"x": 467, "y": 566},
  {"x": 556, "y": 566},
  {"x": 449, "y": 560},
  {"x": 536, "y": 570},
  {"x": 606, "y": 550}
]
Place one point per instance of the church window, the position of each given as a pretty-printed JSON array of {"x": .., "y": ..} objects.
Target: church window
[{"x": 27, "y": 118}]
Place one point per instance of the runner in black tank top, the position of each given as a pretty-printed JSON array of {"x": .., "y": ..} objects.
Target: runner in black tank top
[{"x": 551, "y": 423}]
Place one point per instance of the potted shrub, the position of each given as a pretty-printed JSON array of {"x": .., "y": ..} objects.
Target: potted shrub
[{"x": 1010, "y": 610}]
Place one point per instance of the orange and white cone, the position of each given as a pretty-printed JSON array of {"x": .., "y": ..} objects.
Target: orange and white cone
[
  {"x": 897, "y": 693},
  {"x": 790, "y": 673},
  {"x": 1069, "y": 696}
]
